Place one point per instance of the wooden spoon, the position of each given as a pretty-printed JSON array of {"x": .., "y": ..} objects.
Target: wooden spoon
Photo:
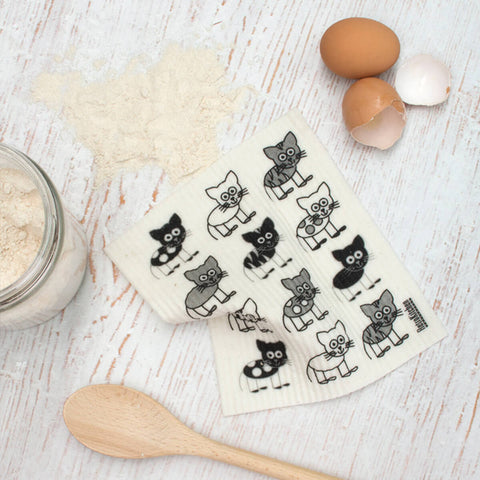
[{"x": 123, "y": 422}]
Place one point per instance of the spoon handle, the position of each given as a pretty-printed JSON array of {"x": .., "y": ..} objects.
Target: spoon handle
[{"x": 208, "y": 448}]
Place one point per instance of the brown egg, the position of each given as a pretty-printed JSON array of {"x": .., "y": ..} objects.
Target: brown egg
[
  {"x": 359, "y": 47},
  {"x": 374, "y": 113}
]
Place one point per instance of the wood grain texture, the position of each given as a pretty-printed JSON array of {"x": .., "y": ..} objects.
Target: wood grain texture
[{"x": 421, "y": 421}]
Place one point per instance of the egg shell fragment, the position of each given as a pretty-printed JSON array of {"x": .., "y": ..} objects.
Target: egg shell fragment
[
  {"x": 359, "y": 47},
  {"x": 374, "y": 113},
  {"x": 423, "y": 80}
]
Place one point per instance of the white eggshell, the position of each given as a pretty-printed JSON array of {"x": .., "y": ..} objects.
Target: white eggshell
[{"x": 423, "y": 80}]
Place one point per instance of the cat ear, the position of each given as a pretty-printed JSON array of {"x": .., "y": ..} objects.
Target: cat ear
[
  {"x": 261, "y": 345},
  {"x": 358, "y": 242},
  {"x": 250, "y": 308},
  {"x": 290, "y": 139},
  {"x": 304, "y": 273},
  {"x": 338, "y": 255},
  {"x": 322, "y": 338},
  {"x": 340, "y": 326},
  {"x": 303, "y": 202},
  {"x": 386, "y": 297},
  {"x": 268, "y": 224},
  {"x": 231, "y": 177},
  {"x": 271, "y": 152},
  {"x": 175, "y": 220},
  {"x": 157, "y": 234},
  {"x": 212, "y": 192},
  {"x": 367, "y": 309},
  {"x": 191, "y": 275},
  {"x": 287, "y": 283},
  {"x": 249, "y": 237},
  {"x": 324, "y": 187},
  {"x": 211, "y": 262}
]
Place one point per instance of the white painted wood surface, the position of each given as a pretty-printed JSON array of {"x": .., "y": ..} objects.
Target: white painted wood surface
[{"x": 419, "y": 422}]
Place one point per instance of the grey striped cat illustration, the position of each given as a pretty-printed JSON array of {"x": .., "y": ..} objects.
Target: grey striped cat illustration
[
  {"x": 203, "y": 298},
  {"x": 286, "y": 156},
  {"x": 336, "y": 344},
  {"x": 382, "y": 313},
  {"x": 224, "y": 217},
  {"x": 301, "y": 309}
]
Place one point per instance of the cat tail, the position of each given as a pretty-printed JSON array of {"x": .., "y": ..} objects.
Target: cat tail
[
  {"x": 210, "y": 232},
  {"x": 266, "y": 191},
  {"x": 229, "y": 321},
  {"x": 365, "y": 348},
  {"x": 285, "y": 325},
  {"x": 308, "y": 371},
  {"x": 240, "y": 381},
  {"x": 246, "y": 274}
]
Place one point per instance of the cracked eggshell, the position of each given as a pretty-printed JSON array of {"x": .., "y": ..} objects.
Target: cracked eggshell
[
  {"x": 374, "y": 113},
  {"x": 423, "y": 80}
]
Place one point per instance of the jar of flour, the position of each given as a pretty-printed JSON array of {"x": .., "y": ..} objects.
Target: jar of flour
[{"x": 43, "y": 250}]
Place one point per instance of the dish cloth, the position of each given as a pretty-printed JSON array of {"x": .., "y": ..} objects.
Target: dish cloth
[{"x": 304, "y": 297}]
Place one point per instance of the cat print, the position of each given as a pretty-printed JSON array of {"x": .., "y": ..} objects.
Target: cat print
[
  {"x": 285, "y": 155},
  {"x": 228, "y": 194},
  {"x": 301, "y": 310},
  {"x": 201, "y": 299},
  {"x": 336, "y": 344},
  {"x": 274, "y": 357},
  {"x": 354, "y": 258},
  {"x": 319, "y": 206},
  {"x": 171, "y": 237},
  {"x": 265, "y": 242},
  {"x": 247, "y": 319},
  {"x": 382, "y": 313}
]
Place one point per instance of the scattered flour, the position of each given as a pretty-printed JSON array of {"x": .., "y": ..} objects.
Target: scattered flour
[
  {"x": 167, "y": 115},
  {"x": 21, "y": 224}
]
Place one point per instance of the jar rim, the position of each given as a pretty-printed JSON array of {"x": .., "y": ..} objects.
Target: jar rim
[{"x": 53, "y": 231}]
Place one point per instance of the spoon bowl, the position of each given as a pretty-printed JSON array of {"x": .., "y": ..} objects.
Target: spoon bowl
[{"x": 123, "y": 422}]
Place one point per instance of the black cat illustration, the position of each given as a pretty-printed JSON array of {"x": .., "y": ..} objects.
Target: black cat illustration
[
  {"x": 285, "y": 155},
  {"x": 301, "y": 309},
  {"x": 354, "y": 258},
  {"x": 382, "y": 313},
  {"x": 171, "y": 237},
  {"x": 228, "y": 194},
  {"x": 247, "y": 319},
  {"x": 201, "y": 299},
  {"x": 319, "y": 206},
  {"x": 274, "y": 357},
  {"x": 336, "y": 344},
  {"x": 265, "y": 240}
]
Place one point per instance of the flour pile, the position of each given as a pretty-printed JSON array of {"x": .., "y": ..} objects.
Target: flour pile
[
  {"x": 167, "y": 115},
  {"x": 21, "y": 224}
]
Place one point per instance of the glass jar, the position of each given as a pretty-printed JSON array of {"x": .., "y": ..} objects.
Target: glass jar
[{"x": 57, "y": 271}]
